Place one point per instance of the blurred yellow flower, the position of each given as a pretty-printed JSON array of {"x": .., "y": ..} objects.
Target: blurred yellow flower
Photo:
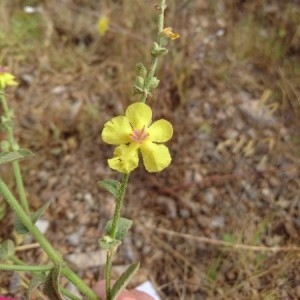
[
  {"x": 103, "y": 24},
  {"x": 6, "y": 78},
  {"x": 134, "y": 132},
  {"x": 170, "y": 34}
]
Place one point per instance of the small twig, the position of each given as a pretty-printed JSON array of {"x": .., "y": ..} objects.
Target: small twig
[
  {"x": 27, "y": 247},
  {"x": 218, "y": 243}
]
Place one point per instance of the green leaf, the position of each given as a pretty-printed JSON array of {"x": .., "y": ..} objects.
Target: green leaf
[
  {"x": 112, "y": 186},
  {"x": 123, "y": 280},
  {"x": 9, "y": 156},
  {"x": 37, "y": 279},
  {"x": 51, "y": 285},
  {"x": 7, "y": 249},
  {"x": 21, "y": 228},
  {"x": 122, "y": 228}
]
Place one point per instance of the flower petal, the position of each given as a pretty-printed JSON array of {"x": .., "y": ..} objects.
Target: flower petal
[
  {"x": 155, "y": 157},
  {"x": 139, "y": 115},
  {"x": 116, "y": 131},
  {"x": 7, "y": 79},
  {"x": 125, "y": 158},
  {"x": 160, "y": 131}
]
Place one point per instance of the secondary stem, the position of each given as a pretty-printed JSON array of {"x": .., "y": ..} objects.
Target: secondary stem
[
  {"x": 15, "y": 164},
  {"x": 154, "y": 62},
  {"x": 44, "y": 243},
  {"x": 25, "y": 268}
]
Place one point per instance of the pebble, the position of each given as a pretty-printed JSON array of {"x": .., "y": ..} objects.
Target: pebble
[
  {"x": 83, "y": 261},
  {"x": 217, "y": 222},
  {"x": 74, "y": 238}
]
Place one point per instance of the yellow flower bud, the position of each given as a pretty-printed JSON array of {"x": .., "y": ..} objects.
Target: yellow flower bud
[
  {"x": 170, "y": 34},
  {"x": 6, "y": 78}
]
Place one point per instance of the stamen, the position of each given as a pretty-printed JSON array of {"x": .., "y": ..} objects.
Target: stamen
[
  {"x": 3, "y": 69},
  {"x": 139, "y": 135}
]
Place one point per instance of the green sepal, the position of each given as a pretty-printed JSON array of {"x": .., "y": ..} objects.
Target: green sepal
[
  {"x": 122, "y": 228},
  {"x": 108, "y": 243},
  {"x": 139, "y": 82},
  {"x": 21, "y": 228},
  {"x": 124, "y": 279},
  {"x": 112, "y": 186},
  {"x": 37, "y": 279},
  {"x": 154, "y": 83},
  {"x": 51, "y": 285},
  {"x": 141, "y": 70},
  {"x": 7, "y": 249},
  {"x": 139, "y": 85},
  {"x": 158, "y": 50},
  {"x": 9, "y": 156}
]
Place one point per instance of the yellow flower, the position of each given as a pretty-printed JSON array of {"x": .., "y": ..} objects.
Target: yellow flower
[
  {"x": 134, "y": 132},
  {"x": 103, "y": 25},
  {"x": 170, "y": 34},
  {"x": 6, "y": 78}
]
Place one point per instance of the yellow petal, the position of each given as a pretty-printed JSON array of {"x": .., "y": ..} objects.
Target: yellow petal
[
  {"x": 103, "y": 24},
  {"x": 116, "y": 131},
  {"x": 7, "y": 79},
  {"x": 139, "y": 115},
  {"x": 160, "y": 131},
  {"x": 155, "y": 157},
  {"x": 125, "y": 158}
]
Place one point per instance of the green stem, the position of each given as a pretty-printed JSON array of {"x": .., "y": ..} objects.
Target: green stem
[
  {"x": 154, "y": 62},
  {"x": 108, "y": 268},
  {"x": 117, "y": 213},
  {"x": 113, "y": 232},
  {"x": 44, "y": 243},
  {"x": 15, "y": 164},
  {"x": 25, "y": 268},
  {"x": 20, "y": 186}
]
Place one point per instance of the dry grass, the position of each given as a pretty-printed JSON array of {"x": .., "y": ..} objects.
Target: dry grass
[{"x": 234, "y": 100}]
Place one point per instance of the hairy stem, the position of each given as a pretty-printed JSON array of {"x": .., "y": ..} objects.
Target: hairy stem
[
  {"x": 25, "y": 268},
  {"x": 15, "y": 164},
  {"x": 119, "y": 204},
  {"x": 154, "y": 62},
  {"x": 113, "y": 232}
]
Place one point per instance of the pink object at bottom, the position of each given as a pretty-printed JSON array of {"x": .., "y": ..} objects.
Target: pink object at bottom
[{"x": 5, "y": 298}]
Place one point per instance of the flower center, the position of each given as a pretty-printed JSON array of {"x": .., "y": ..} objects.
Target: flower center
[{"x": 139, "y": 135}]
